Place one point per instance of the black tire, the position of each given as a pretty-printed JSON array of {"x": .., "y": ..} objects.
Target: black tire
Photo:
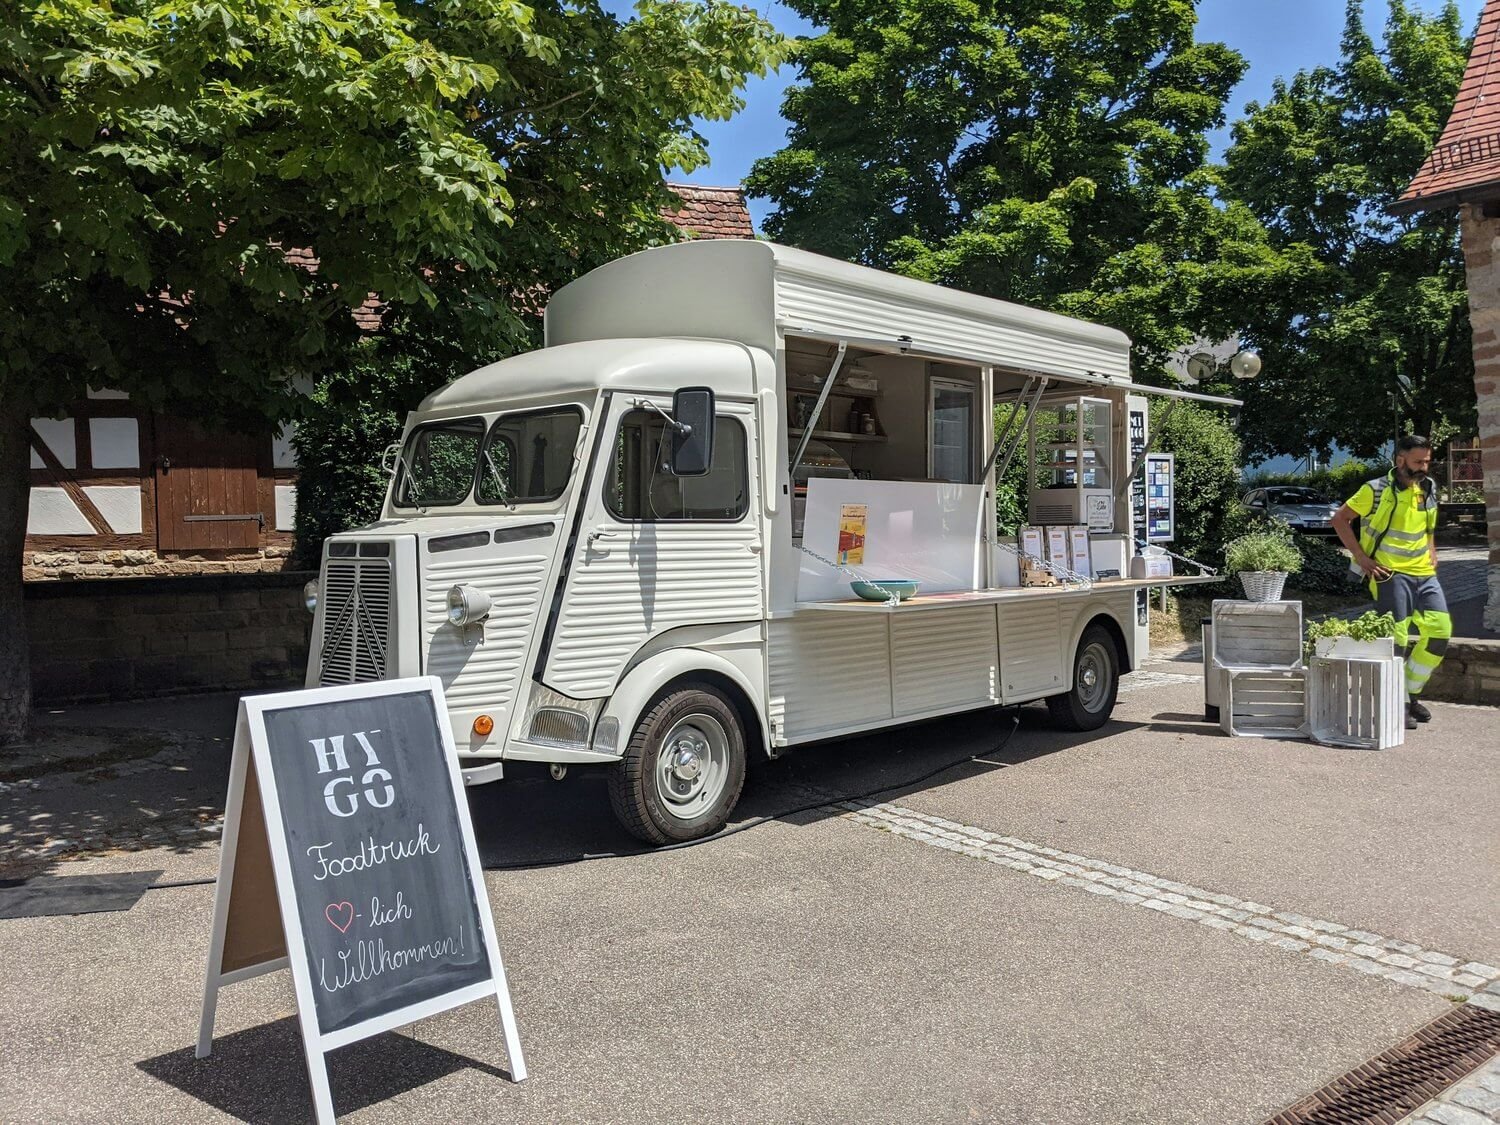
[
  {"x": 1095, "y": 683},
  {"x": 665, "y": 800}
]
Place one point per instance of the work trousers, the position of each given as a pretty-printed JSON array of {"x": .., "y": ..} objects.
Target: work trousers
[{"x": 1419, "y": 607}]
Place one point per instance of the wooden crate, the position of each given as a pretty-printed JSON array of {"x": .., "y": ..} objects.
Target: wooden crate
[
  {"x": 1264, "y": 635},
  {"x": 1264, "y": 703},
  {"x": 1357, "y": 702}
]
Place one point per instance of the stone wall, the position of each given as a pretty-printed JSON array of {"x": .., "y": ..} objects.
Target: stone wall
[
  {"x": 66, "y": 565},
  {"x": 1469, "y": 673},
  {"x": 1481, "y": 241},
  {"x": 121, "y": 639}
]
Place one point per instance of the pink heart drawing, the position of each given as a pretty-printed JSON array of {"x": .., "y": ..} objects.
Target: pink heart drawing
[{"x": 340, "y": 915}]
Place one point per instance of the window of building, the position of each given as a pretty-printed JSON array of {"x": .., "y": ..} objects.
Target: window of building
[{"x": 640, "y": 488}]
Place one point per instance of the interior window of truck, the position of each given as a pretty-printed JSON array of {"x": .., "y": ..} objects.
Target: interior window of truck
[
  {"x": 528, "y": 457},
  {"x": 639, "y": 488},
  {"x": 441, "y": 458}
]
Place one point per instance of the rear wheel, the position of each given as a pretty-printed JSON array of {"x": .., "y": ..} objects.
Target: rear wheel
[
  {"x": 1096, "y": 683},
  {"x": 683, "y": 769}
]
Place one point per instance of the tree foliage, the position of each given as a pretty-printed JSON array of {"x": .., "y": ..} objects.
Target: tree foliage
[
  {"x": 1207, "y": 472},
  {"x": 1362, "y": 317},
  {"x": 1046, "y": 152}
]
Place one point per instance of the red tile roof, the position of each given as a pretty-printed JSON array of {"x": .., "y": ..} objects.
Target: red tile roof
[
  {"x": 711, "y": 212},
  {"x": 1465, "y": 164},
  {"x": 705, "y": 212}
]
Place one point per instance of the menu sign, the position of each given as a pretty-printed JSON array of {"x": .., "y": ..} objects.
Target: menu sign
[
  {"x": 1160, "y": 497},
  {"x": 1137, "y": 436},
  {"x": 349, "y": 857}
]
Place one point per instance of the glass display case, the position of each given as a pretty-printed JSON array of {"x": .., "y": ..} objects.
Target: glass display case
[{"x": 1071, "y": 455}]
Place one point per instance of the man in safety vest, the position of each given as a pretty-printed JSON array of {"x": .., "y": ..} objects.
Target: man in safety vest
[{"x": 1397, "y": 514}]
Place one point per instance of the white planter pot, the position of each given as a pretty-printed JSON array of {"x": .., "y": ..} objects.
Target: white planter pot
[{"x": 1347, "y": 648}]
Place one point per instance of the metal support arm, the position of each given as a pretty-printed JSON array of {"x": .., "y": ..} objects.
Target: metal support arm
[{"x": 812, "y": 422}]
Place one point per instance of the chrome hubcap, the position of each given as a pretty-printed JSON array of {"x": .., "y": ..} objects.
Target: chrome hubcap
[
  {"x": 692, "y": 767},
  {"x": 1094, "y": 676}
]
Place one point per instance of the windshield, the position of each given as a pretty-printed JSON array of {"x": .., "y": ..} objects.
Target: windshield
[
  {"x": 437, "y": 465},
  {"x": 528, "y": 458},
  {"x": 1295, "y": 496}
]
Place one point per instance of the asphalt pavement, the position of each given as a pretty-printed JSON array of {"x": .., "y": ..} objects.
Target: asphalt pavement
[{"x": 901, "y": 956}]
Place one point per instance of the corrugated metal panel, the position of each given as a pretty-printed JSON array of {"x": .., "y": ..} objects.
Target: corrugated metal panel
[
  {"x": 653, "y": 577},
  {"x": 356, "y": 621},
  {"x": 829, "y": 672},
  {"x": 805, "y": 300},
  {"x": 1031, "y": 650},
  {"x": 945, "y": 659},
  {"x": 482, "y": 675}
]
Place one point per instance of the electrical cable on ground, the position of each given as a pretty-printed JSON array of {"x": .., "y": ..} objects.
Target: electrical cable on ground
[{"x": 724, "y": 834}]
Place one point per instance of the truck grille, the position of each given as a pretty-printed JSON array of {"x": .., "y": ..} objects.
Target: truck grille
[{"x": 356, "y": 621}]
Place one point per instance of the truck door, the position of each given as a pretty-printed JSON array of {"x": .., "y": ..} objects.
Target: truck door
[{"x": 654, "y": 551}]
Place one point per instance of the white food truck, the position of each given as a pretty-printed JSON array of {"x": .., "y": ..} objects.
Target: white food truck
[{"x": 636, "y": 547}]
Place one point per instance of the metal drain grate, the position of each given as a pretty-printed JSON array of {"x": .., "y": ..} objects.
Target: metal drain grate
[{"x": 1393, "y": 1084}]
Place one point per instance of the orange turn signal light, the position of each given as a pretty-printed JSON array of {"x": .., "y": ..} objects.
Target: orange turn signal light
[{"x": 484, "y": 726}]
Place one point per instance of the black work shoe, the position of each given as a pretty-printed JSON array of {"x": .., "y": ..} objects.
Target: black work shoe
[
  {"x": 1411, "y": 719},
  {"x": 1417, "y": 711}
]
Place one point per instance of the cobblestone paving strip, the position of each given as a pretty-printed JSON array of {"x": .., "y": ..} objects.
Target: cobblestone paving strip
[
  {"x": 1149, "y": 678},
  {"x": 1474, "y": 1101},
  {"x": 1402, "y": 962}
]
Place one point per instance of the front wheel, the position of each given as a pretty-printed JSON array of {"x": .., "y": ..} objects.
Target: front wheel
[
  {"x": 682, "y": 772},
  {"x": 1096, "y": 682}
]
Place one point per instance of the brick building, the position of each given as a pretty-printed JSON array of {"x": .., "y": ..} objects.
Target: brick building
[{"x": 1463, "y": 171}]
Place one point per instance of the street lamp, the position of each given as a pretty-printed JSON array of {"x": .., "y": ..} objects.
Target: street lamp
[{"x": 1202, "y": 366}]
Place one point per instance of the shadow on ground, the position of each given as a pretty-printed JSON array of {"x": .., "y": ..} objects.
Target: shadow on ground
[
  {"x": 260, "y": 1075},
  {"x": 525, "y": 820}
]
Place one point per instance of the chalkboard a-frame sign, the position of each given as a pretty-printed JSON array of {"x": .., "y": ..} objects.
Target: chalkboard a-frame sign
[{"x": 348, "y": 856}]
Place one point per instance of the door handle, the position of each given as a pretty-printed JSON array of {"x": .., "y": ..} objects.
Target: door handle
[{"x": 598, "y": 534}]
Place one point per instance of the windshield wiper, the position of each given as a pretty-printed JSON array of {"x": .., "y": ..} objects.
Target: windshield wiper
[{"x": 505, "y": 497}]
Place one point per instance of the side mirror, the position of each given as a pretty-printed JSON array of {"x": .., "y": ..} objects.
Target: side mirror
[{"x": 693, "y": 431}]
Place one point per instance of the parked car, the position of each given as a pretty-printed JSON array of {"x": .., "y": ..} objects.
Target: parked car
[{"x": 1303, "y": 509}]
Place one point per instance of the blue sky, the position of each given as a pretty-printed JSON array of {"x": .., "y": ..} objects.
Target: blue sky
[{"x": 1278, "y": 37}]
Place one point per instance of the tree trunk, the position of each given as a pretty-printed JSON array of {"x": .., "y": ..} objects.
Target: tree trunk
[{"x": 15, "y": 496}]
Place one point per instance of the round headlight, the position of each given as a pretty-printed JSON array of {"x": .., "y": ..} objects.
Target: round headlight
[
  {"x": 310, "y": 596},
  {"x": 466, "y": 605}
]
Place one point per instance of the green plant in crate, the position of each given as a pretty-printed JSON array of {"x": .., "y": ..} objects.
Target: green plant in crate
[
  {"x": 1370, "y": 626},
  {"x": 1262, "y": 551}
]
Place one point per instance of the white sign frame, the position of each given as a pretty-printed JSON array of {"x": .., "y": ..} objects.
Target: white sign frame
[{"x": 251, "y": 748}]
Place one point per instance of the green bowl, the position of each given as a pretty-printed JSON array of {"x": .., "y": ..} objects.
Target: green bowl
[{"x": 882, "y": 590}]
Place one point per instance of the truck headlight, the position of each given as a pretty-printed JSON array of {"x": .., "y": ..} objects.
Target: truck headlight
[
  {"x": 467, "y": 606},
  {"x": 310, "y": 596}
]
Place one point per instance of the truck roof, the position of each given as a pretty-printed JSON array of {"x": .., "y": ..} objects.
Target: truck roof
[
  {"x": 587, "y": 366},
  {"x": 753, "y": 292}
]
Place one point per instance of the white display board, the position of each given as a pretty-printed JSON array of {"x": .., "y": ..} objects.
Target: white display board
[{"x": 919, "y": 530}]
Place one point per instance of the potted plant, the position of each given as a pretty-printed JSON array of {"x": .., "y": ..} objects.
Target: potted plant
[
  {"x": 1368, "y": 637},
  {"x": 1263, "y": 559}
]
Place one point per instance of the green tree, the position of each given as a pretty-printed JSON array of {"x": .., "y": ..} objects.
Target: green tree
[
  {"x": 157, "y": 159},
  {"x": 1207, "y": 476},
  {"x": 1050, "y": 152},
  {"x": 1362, "y": 317}
]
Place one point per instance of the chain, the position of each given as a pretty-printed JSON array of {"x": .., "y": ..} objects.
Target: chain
[
  {"x": 892, "y": 599},
  {"x": 1070, "y": 577},
  {"x": 1175, "y": 555}
]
